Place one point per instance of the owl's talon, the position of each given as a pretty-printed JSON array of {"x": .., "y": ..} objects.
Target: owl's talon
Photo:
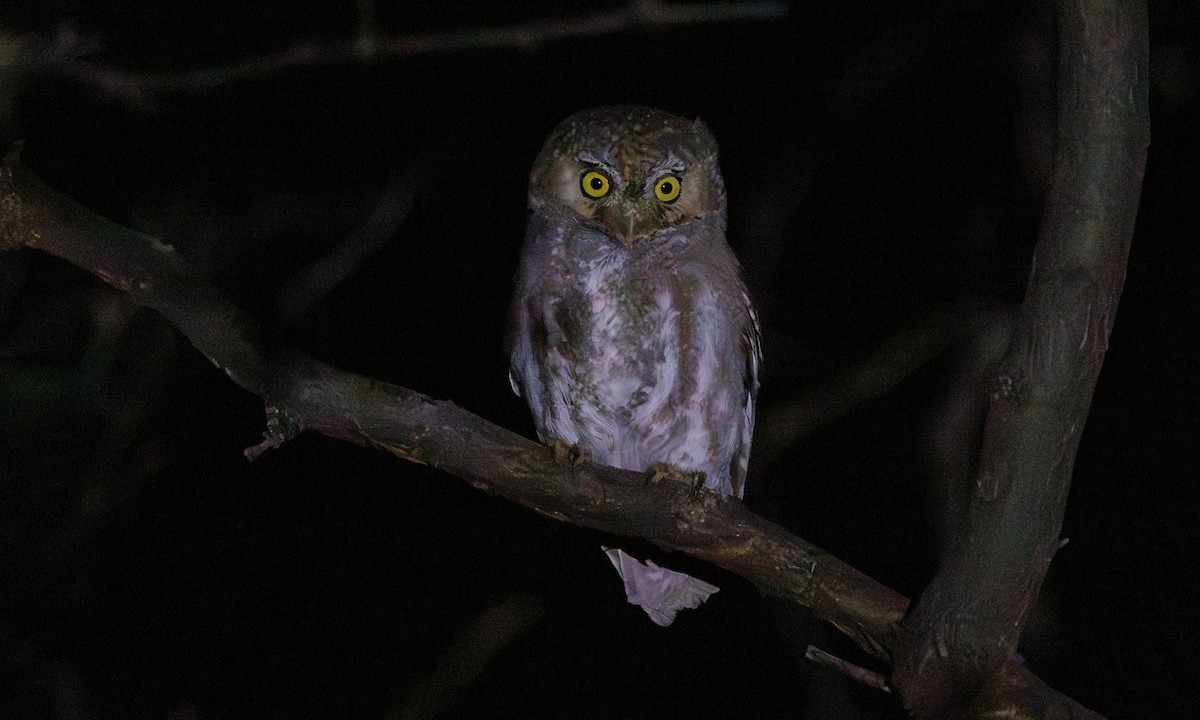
[{"x": 566, "y": 454}]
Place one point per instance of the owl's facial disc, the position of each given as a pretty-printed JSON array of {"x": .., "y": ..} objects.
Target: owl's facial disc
[
  {"x": 628, "y": 172},
  {"x": 620, "y": 202}
]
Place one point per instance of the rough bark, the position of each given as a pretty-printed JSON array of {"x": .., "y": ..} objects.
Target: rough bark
[{"x": 965, "y": 627}]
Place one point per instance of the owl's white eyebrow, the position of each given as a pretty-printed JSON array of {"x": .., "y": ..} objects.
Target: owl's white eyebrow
[
  {"x": 590, "y": 159},
  {"x": 670, "y": 165}
]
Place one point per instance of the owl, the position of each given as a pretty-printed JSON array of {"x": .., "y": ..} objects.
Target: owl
[{"x": 631, "y": 334}]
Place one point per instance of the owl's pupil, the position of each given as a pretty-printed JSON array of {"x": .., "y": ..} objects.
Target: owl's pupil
[
  {"x": 665, "y": 187},
  {"x": 597, "y": 183}
]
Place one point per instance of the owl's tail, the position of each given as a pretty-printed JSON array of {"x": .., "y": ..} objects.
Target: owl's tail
[{"x": 660, "y": 592}]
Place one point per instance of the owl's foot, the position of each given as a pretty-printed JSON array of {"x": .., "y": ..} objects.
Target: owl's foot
[
  {"x": 566, "y": 454},
  {"x": 695, "y": 480}
]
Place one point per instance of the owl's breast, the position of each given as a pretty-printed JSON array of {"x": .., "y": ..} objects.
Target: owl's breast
[
  {"x": 615, "y": 320},
  {"x": 637, "y": 354}
]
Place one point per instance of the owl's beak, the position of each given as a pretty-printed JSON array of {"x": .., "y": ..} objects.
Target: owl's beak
[{"x": 628, "y": 222}]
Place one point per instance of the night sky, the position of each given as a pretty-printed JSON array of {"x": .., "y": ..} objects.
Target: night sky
[{"x": 885, "y": 162}]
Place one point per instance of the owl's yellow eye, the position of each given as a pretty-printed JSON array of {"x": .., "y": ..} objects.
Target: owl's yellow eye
[
  {"x": 594, "y": 184},
  {"x": 667, "y": 189}
]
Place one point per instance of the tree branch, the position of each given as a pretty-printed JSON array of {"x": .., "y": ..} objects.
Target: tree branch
[
  {"x": 964, "y": 629},
  {"x": 303, "y": 393}
]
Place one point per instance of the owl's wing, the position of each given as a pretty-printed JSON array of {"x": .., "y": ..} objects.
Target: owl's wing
[
  {"x": 525, "y": 330},
  {"x": 752, "y": 347},
  {"x": 521, "y": 333},
  {"x": 519, "y": 348}
]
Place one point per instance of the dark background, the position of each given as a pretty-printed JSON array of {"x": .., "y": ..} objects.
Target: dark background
[{"x": 885, "y": 165}]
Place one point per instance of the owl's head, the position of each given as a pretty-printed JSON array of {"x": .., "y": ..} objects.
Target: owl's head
[{"x": 629, "y": 171}]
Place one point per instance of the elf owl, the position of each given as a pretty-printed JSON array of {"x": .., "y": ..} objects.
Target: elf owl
[{"x": 631, "y": 334}]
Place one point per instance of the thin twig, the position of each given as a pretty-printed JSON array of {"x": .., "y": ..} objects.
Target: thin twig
[
  {"x": 891, "y": 363},
  {"x": 857, "y": 673},
  {"x": 343, "y": 260},
  {"x": 65, "y": 55}
]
